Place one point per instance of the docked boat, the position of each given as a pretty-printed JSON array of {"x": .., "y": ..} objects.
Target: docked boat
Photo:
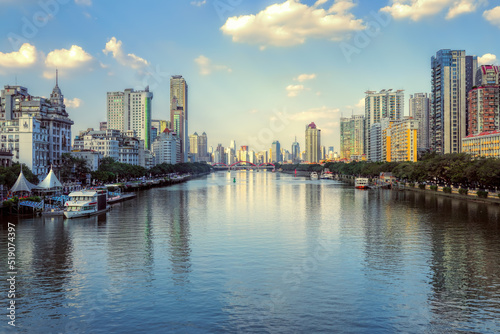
[
  {"x": 118, "y": 196},
  {"x": 85, "y": 203},
  {"x": 314, "y": 176},
  {"x": 361, "y": 183},
  {"x": 327, "y": 176}
]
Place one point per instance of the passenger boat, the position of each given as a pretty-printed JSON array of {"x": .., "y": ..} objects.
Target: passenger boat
[
  {"x": 361, "y": 183},
  {"x": 86, "y": 202},
  {"x": 327, "y": 176},
  {"x": 314, "y": 176},
  {"x": 118, "y": 196}
]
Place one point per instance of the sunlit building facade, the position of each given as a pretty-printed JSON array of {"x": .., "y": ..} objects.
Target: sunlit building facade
[
  {"x": 131, "y": 110},
  {"x": 401, "y": 140},
  {"x": 453, "y": 75},
  {"x": 352, "y": 136},
  {"x": 378, "y": 105},
  {"x": 313, "y": 143}
]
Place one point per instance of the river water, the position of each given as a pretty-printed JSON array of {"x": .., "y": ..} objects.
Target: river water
[{"x": 260, "y": 252}]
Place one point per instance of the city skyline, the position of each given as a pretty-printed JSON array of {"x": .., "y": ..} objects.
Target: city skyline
[{"x": 276, "y": 86}]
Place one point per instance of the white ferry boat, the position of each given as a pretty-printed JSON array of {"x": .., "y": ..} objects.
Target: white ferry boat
[
  {"x": 314, "y": 176},
  {"x": 361, "y": 183},
  {"x": 85, "y": 203}
]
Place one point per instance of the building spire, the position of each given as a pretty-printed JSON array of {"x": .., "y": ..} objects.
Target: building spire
[{"x": 57, "y": 79}]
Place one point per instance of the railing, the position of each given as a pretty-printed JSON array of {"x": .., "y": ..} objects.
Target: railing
[{"x": 470, "y": 192}]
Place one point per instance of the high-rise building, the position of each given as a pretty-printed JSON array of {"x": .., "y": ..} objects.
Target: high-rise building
[
  {"x": 193, "y": 146},
  {"x": 103, "y": 126},
  {"x": 484, "y": 101},
  {"x": 160, "y": 125},
  {"x": 177, "y": 123},
  {"x": 419, "y": 109},
  {"x": 384, "y": 104},
  {"x": 52, "y": 118},
  {"x": 203, "y": 148},
  {"x": 452, "y": 77},
  {"x": 276, "y": 152},
  {"x": 352, "y": 136},
  {"x": 198, "y": 147},
  {"x": 166, "y": 148},
  {"x": 401, "y": 139},
  {"x": 179, "y": 105},
  {"x": 295, "y": 152},
  {"x": 313, "y": 143},
  {"x": 219, "y": 154},
  {"x": 131, "y": 110}
]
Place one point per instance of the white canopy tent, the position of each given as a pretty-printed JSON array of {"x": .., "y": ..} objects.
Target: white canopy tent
[
  {"x": 50, "y": 185},
  {"x": 22, "y": 184},
  {"x": 50, "y": 182}
]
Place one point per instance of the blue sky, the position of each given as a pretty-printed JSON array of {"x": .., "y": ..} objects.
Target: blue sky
[{"x": 257, "y": 70}]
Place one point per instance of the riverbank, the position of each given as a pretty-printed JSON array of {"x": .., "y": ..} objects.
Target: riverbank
[
  {"x": 124, "y": 187},
  {"x": 492, "y": 198}
]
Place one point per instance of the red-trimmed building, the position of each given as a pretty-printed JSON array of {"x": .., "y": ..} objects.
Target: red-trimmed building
[
  {"x": 484, "y": 101},
  {"x": 484, "y": 144}
]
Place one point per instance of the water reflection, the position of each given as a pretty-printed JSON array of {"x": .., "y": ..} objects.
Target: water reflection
[
  {"x": 178, "y": 221},
  {"x": 261, "y": 252}
]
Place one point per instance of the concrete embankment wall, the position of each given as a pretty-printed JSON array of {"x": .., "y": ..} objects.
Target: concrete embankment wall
[
  {"x": 492, "y": 197},
  {"x": 471, "y": 196}
]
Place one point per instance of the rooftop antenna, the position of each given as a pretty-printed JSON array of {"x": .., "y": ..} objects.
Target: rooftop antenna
[{"x": 57, "y": 79}]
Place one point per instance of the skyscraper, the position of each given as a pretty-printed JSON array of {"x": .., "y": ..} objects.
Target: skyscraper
[
  {"x": 352, "y": 136},
  {"x": 384, "y": 104},
  {"x": 179, "y": 105},
  {"x": 198, "y": 147},
  {"x": 484, "y": 101},
  {"x": 295, "y": 152},
  {"x": 193, "y": 146},
  {"x": 131, "y": 110},
  {"x": 452, "y": 77},
  {"x": 313, "y": 143},
  {"x": 419, "y": 110},
  {"x": 276, "y": 152}
]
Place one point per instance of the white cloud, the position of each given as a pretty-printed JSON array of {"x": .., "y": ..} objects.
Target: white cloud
[
  {"x": 329, "y": 128},
  {"x": 361, "y": 104},
  {"x": 130, "y": 60},
  {"x": 206, "y": 66},
  {"x": 493, "y": 16},
  {"x": 314, "y": 114},
  {"x": 487, "y": 59},
  {"x": 291, "y": 23},
  {"x": 417, "y": 9},
  {"x": 305, "y": 77},
  {"x": 358, "y": 107},
  {"x": 463, "y": 7},
  {"x": 294, "y": 90},
  {"x": 74, "y": 103},
  {"x": 72, "y": 58},
  {"x": 198, "y": 3},
  {"x": 25, "y": 57},
  {"x": 84, "y": 2}
]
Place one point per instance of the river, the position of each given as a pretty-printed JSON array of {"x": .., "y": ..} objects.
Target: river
[{"x": 260, "y": 252}]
